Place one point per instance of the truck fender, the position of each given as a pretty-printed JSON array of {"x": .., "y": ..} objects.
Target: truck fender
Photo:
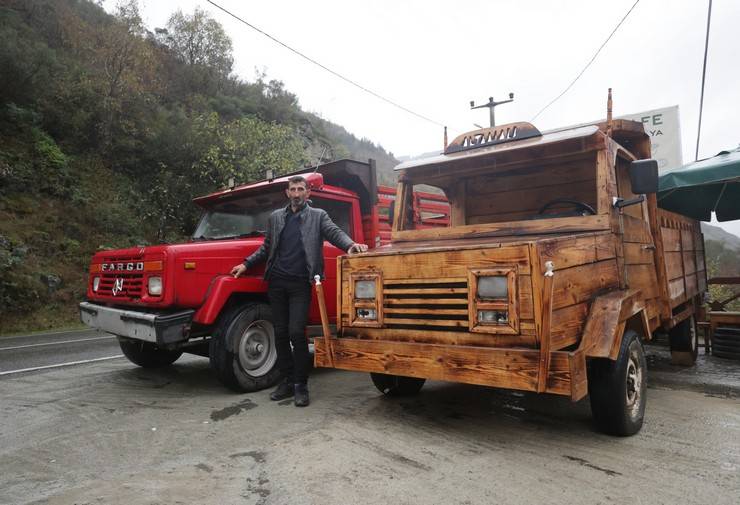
[
  {"x": 610, "y": 315},
  {"x": 221, "y": 290}
]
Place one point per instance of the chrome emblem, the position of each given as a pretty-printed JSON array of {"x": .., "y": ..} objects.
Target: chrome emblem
[{"x": 117, "y": 286}]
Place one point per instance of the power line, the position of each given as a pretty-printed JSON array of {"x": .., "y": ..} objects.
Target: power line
[
  {"x": 336, "y": 74},
  {"x": 587, "y": 64}
]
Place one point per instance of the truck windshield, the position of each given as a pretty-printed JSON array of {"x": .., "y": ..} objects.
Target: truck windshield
[{"x": 238, "y": 218}]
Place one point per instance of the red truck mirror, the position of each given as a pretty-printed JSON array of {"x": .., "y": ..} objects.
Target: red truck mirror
[{"x": 644, "y": 176}]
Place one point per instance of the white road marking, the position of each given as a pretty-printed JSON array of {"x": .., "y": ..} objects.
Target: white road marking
[
  {"x": 41, "y": 334},
  {"x": 55, "y": 343},
  {"x": 61, "y": 364}
]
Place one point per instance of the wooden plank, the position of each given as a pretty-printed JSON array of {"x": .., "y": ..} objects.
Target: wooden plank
[
  {"x": 526, "y": 309},
  {"x": 674, "y": 269},
  {"x": 544, "y": 364},
  {"x": 425, "y": 290},
  {"x": 537, "y": 226},
  {"x": 658, "y": 255},
  {"x": 637, "y": 254},
  {"x": 505, "y": 368},
  {"x": 402, "y": 302},
  {"x": 440, "y": 312},
  {"x": 676, "y": 290},
  {"x": 603, "y": 321},
  {"x": 566, "y": 252},
  {"x": 392, "y": 319},
  {"x": 689, "y": 262},
  {"x": 426, "y": 266},
  {"x": 567, "y": 325},
  {"x": 687, "y": 240},
  {"x": 643, "y": 277},
  {"x": 636, "y": 230},
  {"x": 578, "y": 379},
  {"x": 671, "y": 239},
  {"x": 578, "y": 284},
  {"x": 413, "y": 280},
  {"x": 692, "y": 286},
  {"x": 445, "y": 337}
]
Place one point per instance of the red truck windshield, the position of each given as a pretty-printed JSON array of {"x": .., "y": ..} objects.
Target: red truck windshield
[{"x": 238, "y": 218}]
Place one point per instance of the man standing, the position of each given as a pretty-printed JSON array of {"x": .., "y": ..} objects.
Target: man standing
[{"x": 293, "y": 248}]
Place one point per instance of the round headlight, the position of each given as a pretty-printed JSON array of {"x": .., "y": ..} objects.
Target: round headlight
[{"x": 155, "y": 286}]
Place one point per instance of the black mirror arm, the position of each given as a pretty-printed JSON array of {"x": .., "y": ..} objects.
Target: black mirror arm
[{"x": 621, "y": 202}]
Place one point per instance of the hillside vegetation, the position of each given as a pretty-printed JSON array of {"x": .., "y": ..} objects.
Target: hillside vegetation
[{"x": 108, "y": 130}]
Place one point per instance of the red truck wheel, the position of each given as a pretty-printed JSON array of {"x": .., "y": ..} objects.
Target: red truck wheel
[
  {"x": 146, "y": 354},
  {"x": 242, "y": 348},
  {"x": 617, "y": 389}
]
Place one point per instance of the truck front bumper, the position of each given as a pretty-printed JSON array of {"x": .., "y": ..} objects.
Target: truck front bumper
[{"x": 158, "y": 328}]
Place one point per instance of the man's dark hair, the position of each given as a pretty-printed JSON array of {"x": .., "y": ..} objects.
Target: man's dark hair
[{"x": 298, "y": 179}]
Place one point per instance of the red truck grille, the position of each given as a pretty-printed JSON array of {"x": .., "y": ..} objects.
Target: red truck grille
[
  {"x": 129, "y": 285},
  {"x": 121, "y": 284}
]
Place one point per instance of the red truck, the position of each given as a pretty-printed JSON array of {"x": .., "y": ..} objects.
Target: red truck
[{"x": 164, "y": 300}]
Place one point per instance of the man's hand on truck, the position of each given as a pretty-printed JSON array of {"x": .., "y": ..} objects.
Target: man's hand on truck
[
  {"x": 357, "y": 248},
  {"x": 238, "y": 270}
]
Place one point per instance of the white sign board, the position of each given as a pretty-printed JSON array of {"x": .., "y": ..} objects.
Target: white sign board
[{"x": 664, "y": 128}]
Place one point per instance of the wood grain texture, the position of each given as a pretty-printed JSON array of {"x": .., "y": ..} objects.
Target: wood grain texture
[{"x": 504, "y": 368}]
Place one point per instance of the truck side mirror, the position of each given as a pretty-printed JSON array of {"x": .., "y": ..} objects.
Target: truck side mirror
[{"x": 644, "y": 176}]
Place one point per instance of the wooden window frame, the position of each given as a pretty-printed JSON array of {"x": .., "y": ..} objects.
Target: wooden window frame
[
  {"x": 475, "y": 304},
  {"x": 375, "y": 304}
]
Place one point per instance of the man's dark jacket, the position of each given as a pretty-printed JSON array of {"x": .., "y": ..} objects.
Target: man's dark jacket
[{"x": 316, "y": 226}]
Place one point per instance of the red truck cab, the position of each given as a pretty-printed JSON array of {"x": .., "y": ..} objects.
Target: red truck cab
[{"x": 164, "y": 300}]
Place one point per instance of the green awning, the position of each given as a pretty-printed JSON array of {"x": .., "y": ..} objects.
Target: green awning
[{"x": 696, "y": 189}]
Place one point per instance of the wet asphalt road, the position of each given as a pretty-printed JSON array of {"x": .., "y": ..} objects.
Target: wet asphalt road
[
  {"x": 109, "y": 432},
  {"x": 27, "y": 353}
]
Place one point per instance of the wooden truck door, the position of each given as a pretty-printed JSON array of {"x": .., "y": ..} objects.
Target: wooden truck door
[{"x": 637, "y": 245}]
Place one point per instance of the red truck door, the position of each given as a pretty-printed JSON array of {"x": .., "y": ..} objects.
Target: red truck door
[{"x": 345, "y": 212}]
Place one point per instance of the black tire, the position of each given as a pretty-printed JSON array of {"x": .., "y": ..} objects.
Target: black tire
[
  {"x": 727, "y": 337},
  {"x": 147, "y": 354},
  {"x": 617, "y": 389},
  {"x": 242, "y": 349},
  {"x": 397, "y": 385},
  {"x": 726, "y": 355},
  {"x": 682, "y": 337}
]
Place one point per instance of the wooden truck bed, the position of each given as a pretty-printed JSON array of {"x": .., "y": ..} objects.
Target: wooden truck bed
[{"x": 682, "y": 259}]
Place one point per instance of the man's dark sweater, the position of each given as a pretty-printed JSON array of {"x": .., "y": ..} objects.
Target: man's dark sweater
[{"x": 291, "y": 258}]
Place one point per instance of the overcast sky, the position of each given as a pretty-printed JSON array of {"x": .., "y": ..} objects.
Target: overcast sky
[{"x": 433, "y": 57}]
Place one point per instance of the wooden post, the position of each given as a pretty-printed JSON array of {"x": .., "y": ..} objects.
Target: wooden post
[
  {"x": 544, "y": 365},
  {"x": 324, "y": 320}
]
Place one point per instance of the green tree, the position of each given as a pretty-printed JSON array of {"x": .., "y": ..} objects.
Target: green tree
[{"x": 201, "y": 43}]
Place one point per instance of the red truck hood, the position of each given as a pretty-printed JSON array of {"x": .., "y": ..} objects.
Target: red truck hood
[{"x": 187, "y": 271}]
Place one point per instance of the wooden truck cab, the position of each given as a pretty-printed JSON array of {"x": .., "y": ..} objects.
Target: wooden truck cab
[{"x": 550, "y": 274}]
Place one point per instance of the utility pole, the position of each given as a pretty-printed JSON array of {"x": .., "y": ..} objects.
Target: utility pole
[{"x": 491, "y": 104}]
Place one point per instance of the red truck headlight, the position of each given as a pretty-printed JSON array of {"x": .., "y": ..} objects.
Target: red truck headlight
[{"x": 154, "y": 286}]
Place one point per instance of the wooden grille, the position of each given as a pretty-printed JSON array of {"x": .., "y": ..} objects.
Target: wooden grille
[{"x": 426, "y": 304}]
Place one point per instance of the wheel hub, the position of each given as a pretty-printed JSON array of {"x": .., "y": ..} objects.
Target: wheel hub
[
  {"x": 634, "y": 383},
  {"x": 257, "y": 353}
]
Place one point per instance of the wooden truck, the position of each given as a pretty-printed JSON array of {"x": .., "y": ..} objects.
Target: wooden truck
[{"x": 556, "y": 265}]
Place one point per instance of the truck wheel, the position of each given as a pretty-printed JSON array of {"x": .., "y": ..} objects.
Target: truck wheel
[
  {"x": 682, "y": 338},
  {"x": 146, "y": 354},
  {"x": 242, "y": 349},
  {"x": 396, "y": 385},
  {"x": 617, "y": 389}
]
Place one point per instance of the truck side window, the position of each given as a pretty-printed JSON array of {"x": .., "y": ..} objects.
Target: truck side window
[{"x": 339, "y": 212}]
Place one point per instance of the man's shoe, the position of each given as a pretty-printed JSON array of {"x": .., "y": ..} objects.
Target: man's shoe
[
  {"x": 283, "y": 391},
  {"x": 301, "y": 395}
]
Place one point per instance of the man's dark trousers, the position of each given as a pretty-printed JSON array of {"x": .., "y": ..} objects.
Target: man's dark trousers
[{"x": 290, "y": 300}]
